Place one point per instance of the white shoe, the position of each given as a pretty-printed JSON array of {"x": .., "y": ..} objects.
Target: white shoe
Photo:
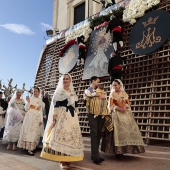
[
  {"x": 30, "y": 153},
  {"x": 82, "y": 61},
  {"x": 78, "y": 62},
  {"x": 63, "y": 166}
]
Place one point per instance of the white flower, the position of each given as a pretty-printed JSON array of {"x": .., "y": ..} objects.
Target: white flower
[
  {"x": 149, "y": 5},
  {"x": 144, "y": 2},
  {"x": 78, "y": 31},
  {"x": 139, "y": 14},
  {"x": 157, "y": 1},
  {"x": 137, "y": 8},
  {"x": 132, "y": 21}
]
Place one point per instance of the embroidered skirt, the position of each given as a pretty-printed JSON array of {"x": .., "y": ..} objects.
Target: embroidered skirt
[
  {"x": 125, "y": 138},
  {"x": 64, "y": 141}
]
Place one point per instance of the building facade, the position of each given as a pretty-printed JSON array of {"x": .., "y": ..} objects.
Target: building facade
[
  {"x": 146, "y": 77},
  {"x": 68, "y": 17}
]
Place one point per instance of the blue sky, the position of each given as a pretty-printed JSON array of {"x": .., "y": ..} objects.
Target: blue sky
[{"x": 22, "y": 31}]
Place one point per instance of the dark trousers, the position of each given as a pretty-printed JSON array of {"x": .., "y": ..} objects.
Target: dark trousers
[
  {"x": 115, "y": 74},
  {"x": 2, "y": 132},
  {"x": 81, "y": 53},
  {"x": 96, "y": 125},
  {"x": 116, "y": 36}
]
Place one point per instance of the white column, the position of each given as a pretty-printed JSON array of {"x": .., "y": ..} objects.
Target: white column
[{"x": 55, "y": 13}]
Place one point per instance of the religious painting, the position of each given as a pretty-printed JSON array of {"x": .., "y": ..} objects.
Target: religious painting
[
  {"x": 69, "y": 59},
  {"x": 150, "y": 32},
  {"x": 98, "y": 54}
]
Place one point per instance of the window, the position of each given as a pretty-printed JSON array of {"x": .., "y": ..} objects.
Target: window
[{"x": 79, "y": 13}]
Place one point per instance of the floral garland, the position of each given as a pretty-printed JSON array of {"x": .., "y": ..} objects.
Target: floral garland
[
  {"x": 136, "y": 9},
  {"x": 82, "y": 30},
  {"x": 133, "y": 10},
  {"x": 66, "y": 46},
  {"x": 101, "y": 25},
  {"x": 86, "y": 29},
  {"x": 96, "y": 21}
]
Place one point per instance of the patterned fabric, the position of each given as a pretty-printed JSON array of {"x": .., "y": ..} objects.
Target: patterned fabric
[
  {"x": 108, "y": 123},
  {"x": 66, "y": 136},
  {"x": 51, "y": 154},
  {"x": 31, "y": 131},
  {"x": 30, "y": 146},
  {"x": 95, "y": 105},
  {"x": 21, "y": 106},
  {"x": 15, "y": 116},
  {"x": 126, "y": 137},
  {"x": 64, "y": 141},
  {"x": 108, "y": 146}
]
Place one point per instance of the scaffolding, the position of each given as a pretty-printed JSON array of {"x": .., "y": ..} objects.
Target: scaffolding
[{"x": 146, "y": 79}]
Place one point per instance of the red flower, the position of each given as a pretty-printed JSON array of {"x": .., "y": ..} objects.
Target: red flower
[{"x": 71, "y": 42}]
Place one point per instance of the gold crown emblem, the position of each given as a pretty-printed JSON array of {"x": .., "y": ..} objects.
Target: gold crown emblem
[{"x": 150, "y": 21}]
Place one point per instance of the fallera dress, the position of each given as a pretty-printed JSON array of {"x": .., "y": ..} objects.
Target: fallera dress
[
  {"x": 63, "y": 142},
  {"x": 15, "y": 116},
  {"x": 31, "y": 131},
  {"x": 126, "y": 137}
]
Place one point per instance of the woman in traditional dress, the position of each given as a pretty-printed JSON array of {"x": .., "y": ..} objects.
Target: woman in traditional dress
[
  {"x": 32, "y": 127},
  {"x": 15, "y": 115},
  {"x": 126, "y": 137},
  {"x": 62, "y": 140}
]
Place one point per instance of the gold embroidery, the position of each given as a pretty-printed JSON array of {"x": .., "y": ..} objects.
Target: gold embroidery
[
  {"x": 149, "y": 39},
  {"x": 150, "y": 21}
]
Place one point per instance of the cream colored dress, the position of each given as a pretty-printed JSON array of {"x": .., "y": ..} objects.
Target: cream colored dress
[
  {"x": 15, "y": 115},
  {"x": 31, "y": 131},
  {"x": 64, "y": 141}
]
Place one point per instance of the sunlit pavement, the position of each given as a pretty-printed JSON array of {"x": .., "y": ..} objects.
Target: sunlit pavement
[{"x": 155, "y": 158}]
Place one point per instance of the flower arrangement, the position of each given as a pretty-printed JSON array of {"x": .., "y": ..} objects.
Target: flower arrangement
[
  {"x": 101, "y": 25},
  {"x": 66, "y": 46},
  {"x": 96, "y": 21},
  {"x": 86, "y": 28},
  {"x": 81, "y": 30},
  {"x": 137, "y": 8}
]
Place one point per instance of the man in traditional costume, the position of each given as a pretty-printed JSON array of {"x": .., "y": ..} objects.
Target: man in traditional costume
[
  {"x": 115, "y": 67},
  {"x": 82, "y": 50},
  {"x": 115, "y": 29},
  {"x": 96, "y": 111},
  {"x": 107, "y": 3}
]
